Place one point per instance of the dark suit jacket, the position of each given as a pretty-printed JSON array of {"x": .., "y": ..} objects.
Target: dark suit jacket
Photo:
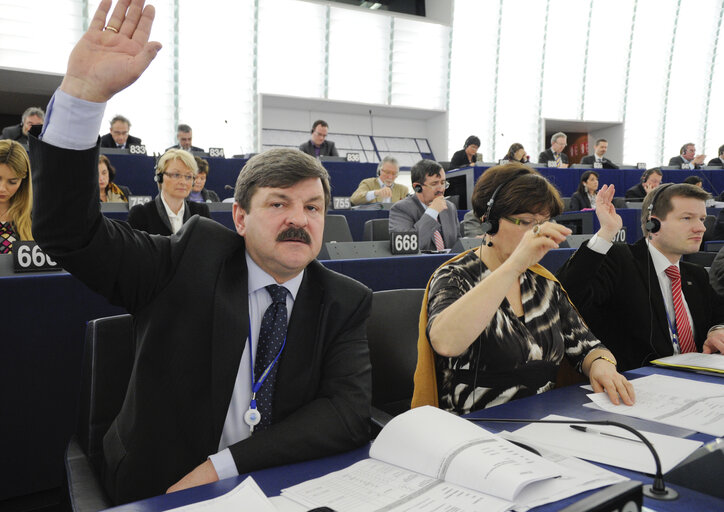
[
  {"x": 716, "y": 161},
  {"x": 409, "y": 215},
  {"x": 459, "y": 159},
  {"x": 677, "y": 161},
  {"x": 719, "y": 227},
  {"x": 619, "y": 297},
  {"x": 547, "y": 155},
  {"x": 194, "y": 149},
  {"x": 108, "y": 142},
  {"x": 151, "y": 217},
  {"x": 189, "y": 298},
  {"x": 15, "y": 133},
  {"x": 606, "y": 163},
  {"x": 579, "y": 201},
  {"x": 326, "y": 149},
  {"x": 636, "y": 192}
]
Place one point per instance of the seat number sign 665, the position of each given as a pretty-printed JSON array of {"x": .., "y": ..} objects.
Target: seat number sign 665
[
  {"x": 404, "y": 242},
  {"x": 29, "y": 257}
]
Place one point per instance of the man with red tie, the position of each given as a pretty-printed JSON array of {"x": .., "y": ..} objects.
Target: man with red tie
[{"x": 640, "y": 299}]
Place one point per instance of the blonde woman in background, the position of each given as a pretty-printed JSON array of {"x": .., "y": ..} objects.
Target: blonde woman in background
[{"x": 16, "y": 195}]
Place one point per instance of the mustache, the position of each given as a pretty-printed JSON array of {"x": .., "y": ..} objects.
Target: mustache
[{"x": 294, "y": 234}]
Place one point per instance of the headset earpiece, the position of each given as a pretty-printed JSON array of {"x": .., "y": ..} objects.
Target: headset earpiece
[
  {"x": 653, "y": 225},
  {"x": 417, "y": 188},
  {"x": 491, "y": 224},
  {"x": 158, "y": 178}
]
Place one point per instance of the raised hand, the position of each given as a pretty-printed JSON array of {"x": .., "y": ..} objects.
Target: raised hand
[
  {"x": 110, "y": 57},
  {"x": 536, "y": 243},
  {"x": 610, "y": 221}
]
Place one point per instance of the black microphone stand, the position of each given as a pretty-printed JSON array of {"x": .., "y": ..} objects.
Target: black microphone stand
[{"x": 657, "y": 490}]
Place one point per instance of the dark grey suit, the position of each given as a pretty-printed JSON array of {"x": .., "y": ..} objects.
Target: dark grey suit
[
  {"x": 547, "y": 155},
  {"x": 188, "y": 294},
  {"x": 605, "y": 163},
  {"x": 678, "y": 161},
  {"x": 108, "y": 142},
  {"x": 15, "y": 133},
  {"x": 409, "y": 214},
  {"x": 326, "y": 149}
]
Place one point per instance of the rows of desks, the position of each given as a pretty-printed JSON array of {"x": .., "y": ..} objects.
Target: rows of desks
[
  {"x": 137, "y": 171},
  {"x": 567, "y": 401}
]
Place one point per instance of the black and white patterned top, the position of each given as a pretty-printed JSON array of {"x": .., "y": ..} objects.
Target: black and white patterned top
[{"x": 514, "y": 357}]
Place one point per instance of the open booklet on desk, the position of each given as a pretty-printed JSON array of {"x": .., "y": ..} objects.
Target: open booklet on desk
[
  {"x": 712, "y": 364},
  {"x": 428, "y": 459}
]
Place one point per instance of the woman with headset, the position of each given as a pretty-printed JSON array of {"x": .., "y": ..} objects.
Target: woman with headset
[
  {"x": 175, "y": 174},
  {"x": 16, "y": 195},
  {"x": 466, "y": 156},
  {"x": 498, "y": 323}
]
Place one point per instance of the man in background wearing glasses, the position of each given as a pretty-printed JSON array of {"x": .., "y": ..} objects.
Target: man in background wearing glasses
[
  {"x": 383, "y": 188},
  {"x": 427, "y": 211}
]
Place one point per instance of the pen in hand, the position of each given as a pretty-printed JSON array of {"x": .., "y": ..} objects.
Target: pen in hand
[{"x": 590, "y": 430}]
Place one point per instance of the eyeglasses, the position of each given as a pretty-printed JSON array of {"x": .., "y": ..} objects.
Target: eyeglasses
[
  {"x": 178, "y": 176},
  {"x": 525, "y": 223},
  {"x": 444, "y": 184}
]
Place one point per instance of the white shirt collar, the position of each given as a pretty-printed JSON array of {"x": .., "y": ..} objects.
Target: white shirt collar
[
  {"x": 258, "y": 278},
  {"x": 660, "y": 261},
  {"x": 176, "y": 219}
]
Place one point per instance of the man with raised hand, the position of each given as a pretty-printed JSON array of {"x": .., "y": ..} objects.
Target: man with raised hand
[{"x": 249, "y": 352}]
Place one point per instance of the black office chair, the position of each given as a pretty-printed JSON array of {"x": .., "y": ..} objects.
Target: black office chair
[
  {"x": 336, "y": 229},
  {"x": 710, "y": 223},
  {"x": 376, "y": 230},
  {"x": 392, "y": 335},
  {"x": 705, "y": 259},
  {"x": 107, "y": 363}
]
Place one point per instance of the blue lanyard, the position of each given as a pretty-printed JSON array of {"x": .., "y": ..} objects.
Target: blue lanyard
[
  {"x": 672, "y": 328},
  {"x": 256, "y": 386}
]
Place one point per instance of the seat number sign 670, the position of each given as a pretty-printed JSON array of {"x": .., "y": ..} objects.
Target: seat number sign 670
[
  {"x": 29, "y": 257},
  {"x": 404, "y": 242}
]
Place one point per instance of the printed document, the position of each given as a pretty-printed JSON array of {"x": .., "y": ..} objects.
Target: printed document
[
  {"x": 428, "y": 459},
  {"x": 680, "y": 402}
]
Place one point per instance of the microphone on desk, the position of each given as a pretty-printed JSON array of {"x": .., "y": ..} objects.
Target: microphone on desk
[{"x": 657, "y": 490}]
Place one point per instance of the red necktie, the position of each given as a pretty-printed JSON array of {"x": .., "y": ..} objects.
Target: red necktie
[
  {"x": 683, "y": 328},
  {"x": 437, "y": 238}
]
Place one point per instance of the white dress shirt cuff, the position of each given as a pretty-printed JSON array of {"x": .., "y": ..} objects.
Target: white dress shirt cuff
[
  {"x": 432, "y": 212},
  {"x": 599, "y": 245},
  {"x": 370, "y": 195},
  {"x": 714, "y": 328},
  {"x": 224, "y": 464},
  {"x": 72, "y": 123}
]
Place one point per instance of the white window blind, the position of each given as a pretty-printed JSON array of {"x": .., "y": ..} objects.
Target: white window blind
[
  {"x": 291, "y": 48},
  {"x": 419, "y": 64},
  {"x": 359, "y": 46},
  {"x": 216, "y": 74},
  {"x": 39, "y": 35}
]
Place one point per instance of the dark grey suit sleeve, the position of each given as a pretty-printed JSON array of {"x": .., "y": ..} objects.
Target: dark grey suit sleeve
[
  {"x": 332, "y": 149},
  {"x": 405, "y": 217}
]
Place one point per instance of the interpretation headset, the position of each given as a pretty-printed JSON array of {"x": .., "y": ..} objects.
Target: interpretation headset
[
  {"x": 417, "y": 188},
  {"x": 491, "y": 224},
  {"x": 653, "y": 225},
  {"x": 158, "y": 178}
]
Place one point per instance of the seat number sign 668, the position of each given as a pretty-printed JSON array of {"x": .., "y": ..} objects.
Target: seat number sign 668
[
  {"x": 404, "y": 242},
  {"x": 29, "y": 257}
]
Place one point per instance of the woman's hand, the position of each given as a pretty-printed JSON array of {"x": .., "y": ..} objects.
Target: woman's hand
[
  {"x": 604, "y": 377},
  {"x": 536, "y": 243},
  {"x": 104, "y": 61}
]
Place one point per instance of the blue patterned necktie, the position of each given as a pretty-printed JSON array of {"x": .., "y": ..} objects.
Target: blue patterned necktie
[{"x": 271, "y": 339}]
